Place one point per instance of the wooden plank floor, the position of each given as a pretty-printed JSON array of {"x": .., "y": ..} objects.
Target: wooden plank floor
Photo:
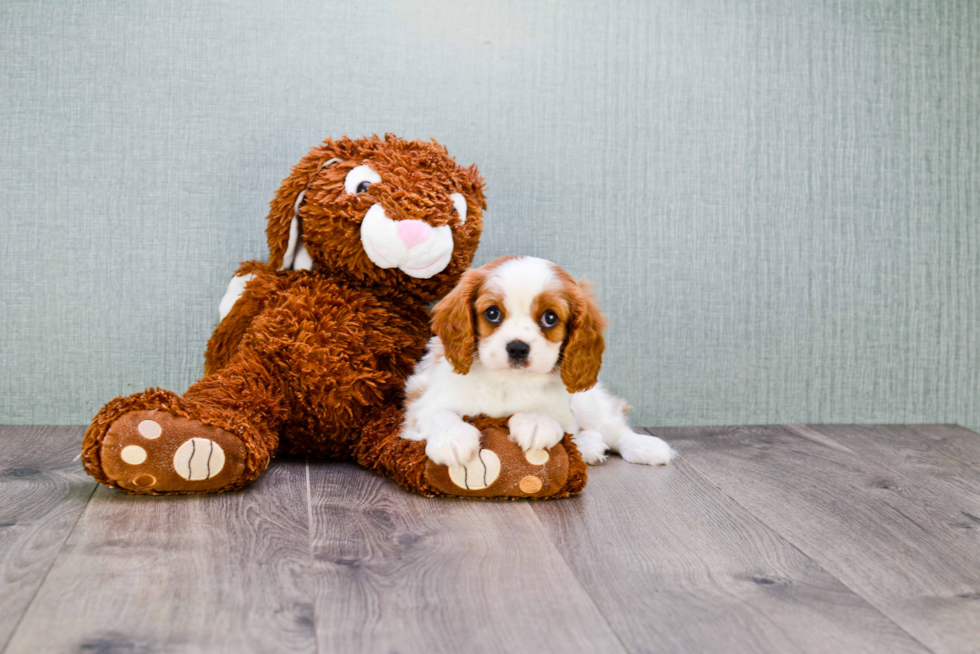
[{"x": 758, "y": 539}]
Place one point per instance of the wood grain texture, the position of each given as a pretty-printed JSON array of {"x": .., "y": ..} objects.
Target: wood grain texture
[
  {"x": 43, "y": 491},
  {"x": 940, "y": 462},
  {"x": 399, "y": 572},
  {"x": 883, "y": 530},
  {"x": 220, "y": 573},
  {"x": 676, "y": 566},
  {"x": 796, "y": 538}
]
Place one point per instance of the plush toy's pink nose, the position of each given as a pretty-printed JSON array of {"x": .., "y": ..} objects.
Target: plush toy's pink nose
[{"x": 413, "y": 232}]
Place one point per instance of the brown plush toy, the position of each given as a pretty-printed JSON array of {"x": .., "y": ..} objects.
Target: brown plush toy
[{"x": 314, "y": 347}]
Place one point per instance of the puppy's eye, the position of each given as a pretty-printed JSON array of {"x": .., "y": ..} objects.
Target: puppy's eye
[
  {"x": 549, "y": 319},
  {"x": 359, "y": 179},
  {"x": 492, "y": 315}
]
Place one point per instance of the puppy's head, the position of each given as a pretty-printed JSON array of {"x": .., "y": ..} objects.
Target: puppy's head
[{"x": 522, "y": 314}]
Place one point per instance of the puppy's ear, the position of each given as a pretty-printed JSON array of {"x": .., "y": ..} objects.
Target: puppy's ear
[
  {"x": 582, "y": 356},
  {"x": 454, "y": 321}
]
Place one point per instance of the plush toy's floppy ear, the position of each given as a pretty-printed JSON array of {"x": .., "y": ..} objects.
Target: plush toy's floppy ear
[
  {"x": 296, "y": 257},
  {"x": 476, "y": 180},
  {"x": 582, "y": 356},
  {"x": 285, "y": 231},
  {"x": 454, "y": 322}
]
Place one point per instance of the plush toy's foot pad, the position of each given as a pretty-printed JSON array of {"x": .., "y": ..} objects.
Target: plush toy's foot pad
[
  {"x": 156, "y": 452},
  {"x": 503, "y": 469}
]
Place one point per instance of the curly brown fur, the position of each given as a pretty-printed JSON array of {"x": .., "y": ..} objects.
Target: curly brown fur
[
  {"x": 307, "y": 358},
  {"x": 416, "y": 181},
  {"x": 313, "y": 362}
]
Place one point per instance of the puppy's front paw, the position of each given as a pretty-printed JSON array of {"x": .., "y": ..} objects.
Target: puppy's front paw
[
  {"x": 648, "y": 450},
  {"x": 455, "y": 445},
  {"x": 535, "y": 431},
  {"x": 592, "y": 446}
]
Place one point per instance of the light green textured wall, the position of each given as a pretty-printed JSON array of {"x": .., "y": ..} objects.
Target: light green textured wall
[{"x": 778, "y": 199}]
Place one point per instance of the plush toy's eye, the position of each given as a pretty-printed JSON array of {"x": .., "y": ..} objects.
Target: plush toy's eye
[
  {"x": 492, "y": 315},
  {"x": 549, "y": 319},
  {"x": 459, "y": 204},
  {"x": 359, "y": 179}
]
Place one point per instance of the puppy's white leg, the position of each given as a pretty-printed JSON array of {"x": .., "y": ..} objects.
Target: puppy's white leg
[
  {"x": 634, "y": 447},
  {"x": 597, "y": 410},
  {"x": 535, "y": 431},
  {"x": 448, "y": 440},
  {"x": 642, "y": 448},
  {"x": 591, "y": 445}
]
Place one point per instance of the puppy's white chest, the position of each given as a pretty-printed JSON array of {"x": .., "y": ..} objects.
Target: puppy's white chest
[
  {"x": 498, "y": 397},
  {"x": 503, "y": 397}
]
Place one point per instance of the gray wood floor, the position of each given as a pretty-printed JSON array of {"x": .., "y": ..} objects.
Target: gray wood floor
[{"x": 759, "y": 539}]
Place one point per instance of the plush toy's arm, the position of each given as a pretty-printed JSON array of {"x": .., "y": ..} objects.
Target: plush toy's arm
[
  {"x": 240, "y": 305},
  {"x": 235, "y": 289}
]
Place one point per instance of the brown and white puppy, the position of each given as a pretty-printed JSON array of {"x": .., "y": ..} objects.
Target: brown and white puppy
[{"x": 519, "y": 337}]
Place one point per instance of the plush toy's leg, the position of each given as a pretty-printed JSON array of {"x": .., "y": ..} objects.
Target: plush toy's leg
[
  {"x": 219, "y": 436},
  {"x": 502, "y": 469}
]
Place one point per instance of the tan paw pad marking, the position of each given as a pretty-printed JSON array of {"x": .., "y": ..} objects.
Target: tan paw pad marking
[
  {"x": 537, "y": 457},
  {"x": 198, "y": 459},
  {"x": 478, "y": 473},
  {"x": 149, "y": 429},
  {"x": 133, "y": 455},
  {"x": 530, "y": 484},
  {"x": 144, "y": 481}
]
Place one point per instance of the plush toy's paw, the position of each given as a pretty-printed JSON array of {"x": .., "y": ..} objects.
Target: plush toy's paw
[
  {"x": 535, "y": 431},
  {"x": 592, "y": 446},
  {"x": 502, "y": 468},
  {"x": 648, "y": 450},
  {"x": 157, "y": 452}
]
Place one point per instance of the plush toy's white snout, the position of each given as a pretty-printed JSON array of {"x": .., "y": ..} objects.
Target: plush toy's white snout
[{"x": 413, "y": 246}]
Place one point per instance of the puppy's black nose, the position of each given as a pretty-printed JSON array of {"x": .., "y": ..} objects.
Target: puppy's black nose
[{"x": 518, "y": 350}]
